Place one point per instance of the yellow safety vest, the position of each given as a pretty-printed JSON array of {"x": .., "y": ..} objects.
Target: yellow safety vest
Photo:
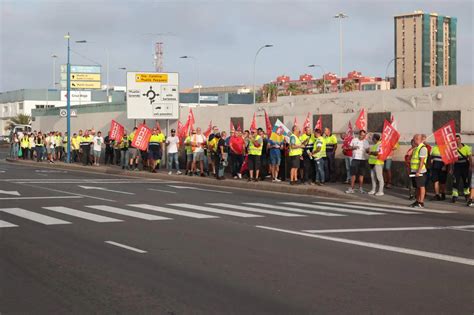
[
  {"x": 331, "y": 142},
  {"x": 295, "y": 152},
  {"x": 415, "y": 159},
  {"x": 253, "y": 150},
  {"x": 24, "y": 142},
  {"x": 466, "y": 152},
  {"x": 187, "y": 145},
  {"x": 156, "y": 139},
  {"x": 75, "y": 143},
  {"x": 373, "y": 160},
  {"x": 321, "y": 153}
]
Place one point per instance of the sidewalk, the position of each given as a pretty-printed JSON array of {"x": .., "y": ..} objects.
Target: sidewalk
[{"x": 397, "y": 196}]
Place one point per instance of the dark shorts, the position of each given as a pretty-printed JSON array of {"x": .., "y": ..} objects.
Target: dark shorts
[
  {"x": 419, "y": 181},
  {"x": 438, "y": 175},
  {"x": 295, "y": 161},
  {"x": 253, "y": 162},
  {"x": 154, "y": 154},
  {"x": 358, "y": 167}
]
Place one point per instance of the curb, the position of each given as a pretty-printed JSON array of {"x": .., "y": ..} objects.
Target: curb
[{"x": 261, "y": 186}]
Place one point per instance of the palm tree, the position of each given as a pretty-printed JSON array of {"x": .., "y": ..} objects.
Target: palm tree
[
  {"x": 293, "y": 88},
  {"x": 320, "y": 85},
  {"x": 20, "y": 119},
  {"x": 349, "y": 85},
  {"x": 270, "y": 92}
]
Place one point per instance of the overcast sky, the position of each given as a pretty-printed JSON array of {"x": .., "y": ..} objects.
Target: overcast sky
[{"x": 222, "y": 35}]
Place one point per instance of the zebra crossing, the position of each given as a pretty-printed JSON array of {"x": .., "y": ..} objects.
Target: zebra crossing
[{"x": 171, "y": 211}]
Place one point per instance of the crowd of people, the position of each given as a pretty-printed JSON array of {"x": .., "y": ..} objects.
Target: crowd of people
[{"x": 309, "y": 155}]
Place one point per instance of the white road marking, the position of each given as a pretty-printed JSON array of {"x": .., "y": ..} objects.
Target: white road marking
[
  {"x": 200, "y": 189},
  {"x": 402, "y": 207},
  {"x": 10, "y": 192},
  {"x": 70, "y": 193},
  {"x": 401, "y": 250},
  {"x": 337, "y": 209},
  {"x": 165, "y": 191},
  {"x": 173, "y": 211},
  {"x": 105, "y": 189},
  {"x": 140, "y": 215},
  {"x": 327, "y": 214},
  {"x": 40, "y": 197},
  {"x": 213, "y": 210},
  {"x": 253, "y": 209},
  {"x": 82, "y": 214},
  {"x": 372, "y": 207},
  {"x": 414, "y": 228},
  {"x": 4, "y": 224},
  {"x": 33, "y": 216},
  {"x": 126, "y": 247}
]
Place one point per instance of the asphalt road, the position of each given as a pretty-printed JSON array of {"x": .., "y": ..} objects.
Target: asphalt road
[{"x": 79, "y": 242}]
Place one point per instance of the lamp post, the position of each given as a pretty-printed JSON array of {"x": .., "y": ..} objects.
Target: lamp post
[
  {"x": 340, "y": 16},
  {"x": 54, "y": 56},
  {"x": 68, "y": 103},
  {"x": 196, "y": 64},
  {"x": 107, "y": 64},
  {"x": 322, "y": 69},
  {"x": 254, "y": 65},
  {"x": 388, "y": 65}
]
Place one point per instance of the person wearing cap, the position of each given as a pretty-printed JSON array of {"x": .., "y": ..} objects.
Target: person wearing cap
[{"x": 173, "y": 145}]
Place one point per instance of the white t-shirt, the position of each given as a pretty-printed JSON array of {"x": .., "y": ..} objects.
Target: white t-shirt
[
  {"x": 98, "y": 143},
  {"x": 199, "y": 139},
  {"x": 361, "y": 152},
  {"x": 172, "y": 144}
]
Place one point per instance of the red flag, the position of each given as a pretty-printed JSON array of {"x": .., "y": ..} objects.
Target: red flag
[
  {"x": 191, "y": 119},
  {"x": 142, "y": 137},
  {"x": 394, "y": 122},
  {"x": 232, "y": 127},
  {"x": 319, "y": 123},
  {"x": 348, "y": 137},
  {"x": 390, "y": 137},
  {"x": 116, "y": 131},
  {"x": 446, "y": 140},
  {"x": 180, "y": 129},
  {"x": 239, "y": 127},
  {"x": 361, "y": 121},
  {"x": 268, "y": 124},
  {"x": 295, "y": 122},
  {"x": 157, "y": 125},
  {"x": 253, "y": 125},
  {"x": 306, "y": 123},
  {"x": 208, "y": 130}
]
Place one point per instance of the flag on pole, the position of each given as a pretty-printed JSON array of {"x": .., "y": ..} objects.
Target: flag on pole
[
  {"x": 208, "y": 130},
  {"x": 361, "y": 121},
  {"x": 180, "y": 129},
  {"x": 295, "y": 122},
  {"x": 446, "y": 140},
  {"x": 116, "y": 131},
  {"x": 306, "y": 123},
  {"x": 142, "y": 137},
  {"x": 232, "y": 127},
  {"x": 268, "y": 124},
  {"x": 393, "y": 122},
  {"x": 191, "y": 119},
  {"x": 348, "y": 136},
  {"x": 157, "y": 126},
  {"x": 253, "y": 125},
  {"x": 239, "y": 127},
  {"x": 280, "y": 128},
  {"x": 319, "y": 123},
  {"x": 390, "y": 137}
]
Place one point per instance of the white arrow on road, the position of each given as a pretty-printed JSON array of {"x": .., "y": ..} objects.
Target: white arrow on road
[
  {"x": 201, "y": 189},
  {"x": 12, "y": 192},
  {"x": 105, "y": 189}
]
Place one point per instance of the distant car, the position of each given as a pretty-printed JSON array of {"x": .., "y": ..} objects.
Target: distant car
[{"x": 4, "y": 139}]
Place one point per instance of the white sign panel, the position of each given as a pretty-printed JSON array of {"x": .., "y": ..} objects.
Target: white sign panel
[
  {"x": 152, "y": 95},
  {"x": 77, "y": 96},
  {"x": 63, "y": 113}
]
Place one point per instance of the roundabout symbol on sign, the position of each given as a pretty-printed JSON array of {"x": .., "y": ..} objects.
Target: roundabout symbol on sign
[{"x": 151, "y": 95}]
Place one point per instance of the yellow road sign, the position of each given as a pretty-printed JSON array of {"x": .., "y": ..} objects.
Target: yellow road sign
[
  {"x": 85, "y": 76},
  {"x": 85, "y": 84},
  {"x": 151, "y": 77}
]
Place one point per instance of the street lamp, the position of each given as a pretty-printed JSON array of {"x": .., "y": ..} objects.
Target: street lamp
[
  {"x": 254, "y": 64},
  {"x": 107, "y": 63},
  {"x": 322, "y": 69},
  {"x": 54, "y": 69},
  {"x": 196, "y": 64},
  {"x": 389, "y": 63},
  {"x": 68, "y": 97},
  {"x": 340, "y": 16}
]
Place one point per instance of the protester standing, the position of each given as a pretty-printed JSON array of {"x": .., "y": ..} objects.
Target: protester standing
[
  {"x": 439, "y": 174},
  {"x": 360, "y": 148},
  {"x": 296, "y": 151},
  {"x": 98, "y": 142},
  {"x": 418, "y": 170},
  {"x": 376, "y": 167},
  {"x": 461, "y": 170},
  {"x": 331, "y": 146},
  {"x": 319, "y": 153},
  {"x": 173, "y": 146}
]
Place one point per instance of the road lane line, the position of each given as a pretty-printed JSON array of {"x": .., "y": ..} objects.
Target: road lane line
[
  {"x": 165, "y": 191},
  {"x": 5, "y": 224},
  {"x": 200, "y": 189},
  {"x": 173, "y": 211},
  {"x": 213, "y": 210},
  {"x": 33, "y": 216},
  {"x": 82, "y": 214},
  {"x": 401, "y": 207},
  {"x": 43, "y": 197},
  {"x": 337, "y": 209},
  {"x": 126, "y": 247},
  {"x": 253, "y": 209},
  {"x": 415, "y": 228},
  {"x": 327, "y": 214},
  {"x": 401, "y": 250},
  {"x": 134, "y": 214},
  {"x": 371, "y": 208},
  {"x": 70, "y": 193}
]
